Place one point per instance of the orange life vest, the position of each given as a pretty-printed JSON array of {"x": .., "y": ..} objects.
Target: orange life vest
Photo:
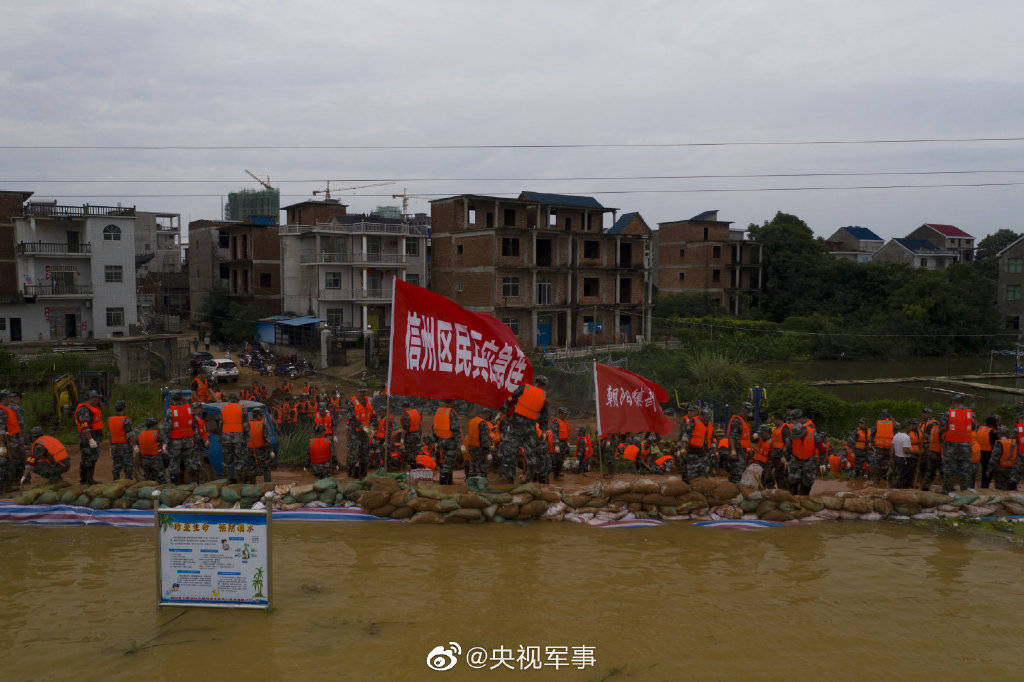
[
  {"x": 883, "y": 433},
  {"x": 549, "y": 438},
  {"x": 319, "y": 450},
  {"x": 382, "y": 426},
  {"x": 744, "y": 431},
  {"x": 777, "y": 440},
  {"x": 58, "y": 453},
  {"x": 915, "y": 443},
  {"x": 149, "y": 444},
  {"x": 723, "y": 444},
  {"x": 762, "y": 454},
  {"x": 495, "y": 430},
  {"x": 424, "y": 459},
  {"x": 201, "y": 427},
  {"x": 588, "y": 447},
  {"x": 700, "y": 436},
  {"x": 256, "y": 438},
  {"x": 661, "y": 460},
  {"x": 862, "y": 439},
  {"x": 231, "y": 418},
  {"x": 181, "y": 421},
  {"x": 443, "y": 422},
  {"x": 563, "y": 427},
  {"x": 363, "y": 410},
  {"x": 630, "y": 453},
  {"x": 960, "y": 424},
  {"x": 835, "y": 464},
  {"x": 325, "y": 420},
  {"x": 13, "y": 427},
  {"x": 531, "y": 402},
  {"x": 1020, "y": 435},
  {"x": 804, "y": 448},
  {"x": 116, "y": 427},
  {"x": 982, "y": 435},
  {"x": 975, "y": 451},
  {"x": 96, "y": 420},
  {"x": 473, "y": 437},
  {"x": 414, "y": 420},
  {"x": 1009, "y": 455}
]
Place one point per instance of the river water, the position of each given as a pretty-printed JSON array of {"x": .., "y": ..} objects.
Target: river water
[{"x": 368, "y": 601}]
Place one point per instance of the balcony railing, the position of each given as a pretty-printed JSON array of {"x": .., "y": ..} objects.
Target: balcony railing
[
  {"x": 378, "y": 257},
  {"x": 84, "y": 211},
  {"x": 356, "y": 294},
  {"x": 54, "y": 249},
  {"x": 352, "y": 228},
  {"x": 58, "y": 290}
]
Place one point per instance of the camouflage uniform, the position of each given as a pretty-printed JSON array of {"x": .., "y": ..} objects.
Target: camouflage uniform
[
  {"x": 697, "y": 459},
  {"x": 89, "y": 455},
  {"x": 180, "y": 451},
  {"x": 860, "y": 457},
  {"x": 358, "y": 459},
  {"x": 411, "y": 439},
  {"x": 17, "y": 445},
  {"x": 449, "y": 447},
  {"x": 878, "y": 459},
  {"x": 478, "y": 455},
  {"x": 520, "y": 432},
  {"x": 1005, "y": 478},
  {"x": 153, "y": 466},
  {"x": 235, "y": 448},
  {"x": 737, "y": 464},
  {"x": 46, "y": 467},
  {"x": 539, "y": 458},
  {"x": 121, "y": 455}
]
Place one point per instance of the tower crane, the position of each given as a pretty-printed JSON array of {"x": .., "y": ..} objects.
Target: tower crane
[
  {"x": 265, "y": 183},
  {"x": 327, "y": 190}
]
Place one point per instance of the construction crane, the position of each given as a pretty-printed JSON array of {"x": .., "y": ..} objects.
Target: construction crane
[
  {"x": 259, "y": 179},
  {"x": 326, "y": 191},
  {"x": 404, "y": 196}
]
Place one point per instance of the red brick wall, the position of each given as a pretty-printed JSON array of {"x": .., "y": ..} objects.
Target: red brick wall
[
  {"x": 445, "y": 216},
  {"x": 312, "y": 214},
  {"x": 476, "y": 288}
]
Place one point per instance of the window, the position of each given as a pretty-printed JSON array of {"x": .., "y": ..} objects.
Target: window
[
  {"x": 412, "y": 278},
  {"x": 412, "y": 247},
  {"x": 716, "y": 251},
  {"x": 115, "y": 317},
  {"x": 1013, "y": 292},
  {"x": 265, "y": 280},
  {"x": 544, "y": 291},
  {"x": 552, "y": 218},
  {"x": 512, "y": 323},
  {"x": 335, "y": 317},
  {"x": 113, "y": 273},
  {"x": 3, "y": 324},
  {"x": 682, "y": 253},
  {"x": 510, "y": 287},
  {"x": 716, "y": 275},
  {"x": 568, "y": 223},
  {"x": 682, "y": 276},
  {"x": 705, "y": 234},
  {"x": 510, "y": 247},
  {"x": 591, "y": 286},
  {"x": 223, "y": 272},
  {"x": 111, "y": 233},
  {"x": 458, "y": 287},
  {"x": 332, "y": 280},
  {"x": 223, "y": 241},
  {"x": 591, "y": 249},
  {"x": 149, "y": 247},
  {"x": 1013, "y": 323},
  {"x": 458, "y": 249},
  {"x": 1015, "y": 265},
  {"x": 472, "y": 216},
  {"x": 510, "y": 217},
  {"x": 588, "y": 324}
]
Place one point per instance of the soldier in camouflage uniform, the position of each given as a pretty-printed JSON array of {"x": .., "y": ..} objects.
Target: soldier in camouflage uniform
[
  {"x": 152, "y": 464},
  {"x": 698, "y": 447},
  {"x": 449, "y": 436},
  {"x": 89, "y": 420},
  {"x": 860, "y": 436},
  {"x": 956, "y": 454},
  {"x": 359, "y": 430},
  {"x": 179, "y": 430},
  {"x": 739, "y": 431},
  {"x": 234, "y": 445},
  {"x": 477, "y": 463},
  {"x": 528, "y": 405},
  {"x": 538, "y": 459},
  {"x": 259, "y": 459},
  {"x": 17, "y": 445},
  {"x": 1005, "y": 477},
  {"x": 42, "y": 462},
  {"x": 121, "y": 453}
]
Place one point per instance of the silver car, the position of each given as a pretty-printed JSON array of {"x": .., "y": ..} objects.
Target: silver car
[{"x": 221, "y": 369}]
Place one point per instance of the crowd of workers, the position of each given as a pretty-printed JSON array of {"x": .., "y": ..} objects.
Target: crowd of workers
[{"x": 520, "y": 439}]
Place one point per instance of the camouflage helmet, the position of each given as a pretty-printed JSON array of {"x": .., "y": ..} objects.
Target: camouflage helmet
[
  {"x": 90, "y": 394},
  {"x": 540, "y": 380},
  {"x": 35, "y": 431},
  {"x": 749, "y": 407},
  {"x": 151, "y": 421},
  {"x": 119, "y": 405},
  {"x": 563, "y": 410}
]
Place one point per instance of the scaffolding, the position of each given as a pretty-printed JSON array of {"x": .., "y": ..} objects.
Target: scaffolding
[{"x": 252, "y": 205}]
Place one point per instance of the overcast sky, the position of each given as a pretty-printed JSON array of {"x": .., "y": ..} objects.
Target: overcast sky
[{"x": 480, "y": 72}]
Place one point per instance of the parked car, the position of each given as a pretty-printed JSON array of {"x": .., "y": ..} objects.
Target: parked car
[
  {"x": 221, "y": 369},
  {"x": 196, "y": 360}
]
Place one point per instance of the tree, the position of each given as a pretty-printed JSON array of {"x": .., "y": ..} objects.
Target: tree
[
  {"x": 686, "y": 305},
  {"x": 985, "y": 260},
  {"x": 227, "y": 319},
  {"x": 794, "y": 262}
]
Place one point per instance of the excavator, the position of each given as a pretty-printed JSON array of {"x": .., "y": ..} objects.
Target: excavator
[{"x": 66, "y": 390}]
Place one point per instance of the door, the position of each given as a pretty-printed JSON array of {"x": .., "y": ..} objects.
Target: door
[
  {"x": 72, "y": 241},
  {"x": 543, "y": 333},
  {"x": 15, "y": 323},
  {"x": 626, "y": 327},
  {"x": 70, "y": 325}
]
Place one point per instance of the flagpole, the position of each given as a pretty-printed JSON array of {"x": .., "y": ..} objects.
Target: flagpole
[
  {"x": 387, "y": 387},
  {"x": 600, "y": 454}
]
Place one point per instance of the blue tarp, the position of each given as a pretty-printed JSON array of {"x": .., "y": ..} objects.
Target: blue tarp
[{"x": 299, "y": 321}]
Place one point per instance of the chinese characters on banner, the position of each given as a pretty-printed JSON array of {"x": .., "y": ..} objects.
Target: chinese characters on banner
[
  {"x": 628, "y": 403},
  {"x": 441, "y": 350}
]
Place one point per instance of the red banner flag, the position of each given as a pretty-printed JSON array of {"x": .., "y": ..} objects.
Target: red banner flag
[
  {"x": 628, "y": 403},
  {"x": 441, "y": 350}
]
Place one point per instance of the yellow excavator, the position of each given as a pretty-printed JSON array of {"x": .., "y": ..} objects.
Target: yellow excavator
[{"x": 66, "y": 390}]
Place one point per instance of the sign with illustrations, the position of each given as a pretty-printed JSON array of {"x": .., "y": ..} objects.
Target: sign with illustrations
[{"x": 213, "y": 557}]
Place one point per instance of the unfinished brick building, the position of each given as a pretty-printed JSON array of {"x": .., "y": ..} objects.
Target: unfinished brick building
[
  {"x": 545, "y": 265},
  {"x": 704, "y": 255},
  {"x": 241, "y": 257}
]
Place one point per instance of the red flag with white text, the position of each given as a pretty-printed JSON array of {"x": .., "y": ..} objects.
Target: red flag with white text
[
  {"x": 628, "y": 403},
  {"x": 441, "y": 350}
]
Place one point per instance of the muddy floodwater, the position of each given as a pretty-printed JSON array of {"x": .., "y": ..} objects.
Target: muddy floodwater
[{"x": 367, "y": 601}]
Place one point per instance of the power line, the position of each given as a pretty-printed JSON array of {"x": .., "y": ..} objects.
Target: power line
[
  {"x": 702, "y": 190},
  {"x": 589, "y": 145},
  {"x": 810, "y": 174}
]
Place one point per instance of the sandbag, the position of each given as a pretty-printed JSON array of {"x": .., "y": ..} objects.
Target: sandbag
[
  {"x": 765, "y": 506},
  {"x": 509, "y": 511},
  {"x": 882, "y": 506},
  {"x": 426, "y": 517},
  {"x": 645, "y": 486},
  {"x": 350, "y": 486},
  {"x": 142, "y": 504},
  {"x": 660, "y": 500},
  {"x": 858, "y": 505},
  {"x": 926, "y": 498},
  {"x": 146, "y": 492},
  {"x": 449, "y": 504},
  {"x": 752, "y": 475},
  {"x": 704, "y": 486},
  {"x": 386, "y": 510},
  {"x": 903, "y": 498},
  {"x": 307, "y": 497},
  {"x": 782, "y": 496},
  {"x": 121, "y": 503},
  {"x": 431, "y": 490},
  {"x": 381, "y": 483},
  {"x": 776, "y": 515},
  {"x": 400, "y": 498},
  {"x": 100, "y": 503},
  {"x": 749, "y": 506},
  {"x": 327, "y": 496},
  {"x": 326, "y": 484},
  {"x": 630, "y": 497},
  {"x": 689, "y": 501},
  {"x": 401, "y": 513},
  {"x": 82, "y": 501},
  {"x": 528, "y": 488},
  {"x": 532, "y": 509},
  {"x": 230, "y": 495},
  {"x": 418, "y": 504},
  {"x": 48, "y": 497},
  {"x": 470, "y": 514},
  {"x": 728, "y": 512},
  {"x": 250, "y": 490},
  {"x": 471, "y": 501},
  {"x": 549, "y": 496},
  {"x": 577, "y": 500},
  {"x": 297, "y": 491},
  {"x": 907, "y": 509},
  {"x": 617, "y": 487},
  {"x": 208, "y": 490},
  {"x": 726, "y": 491},
  {"x": 810, "y": 504},
  {"x": 29, "y": 496},
  {"x": 963, "y": 500},
  {"x": 674, "y": 488},
  {"x": 832, "y": 502}
]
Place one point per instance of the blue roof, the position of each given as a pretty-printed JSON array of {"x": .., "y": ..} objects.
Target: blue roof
[
  {"x": 706, "y": 215},
  {"x": 562, "y": 199},
  {"x": 621, "y": 223},
  {"x": 916, "y": 245},
  {"x": 274, "y": 318},
  {"x": 862, "y": 233},
  {"x": 299, "y": 321}
]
